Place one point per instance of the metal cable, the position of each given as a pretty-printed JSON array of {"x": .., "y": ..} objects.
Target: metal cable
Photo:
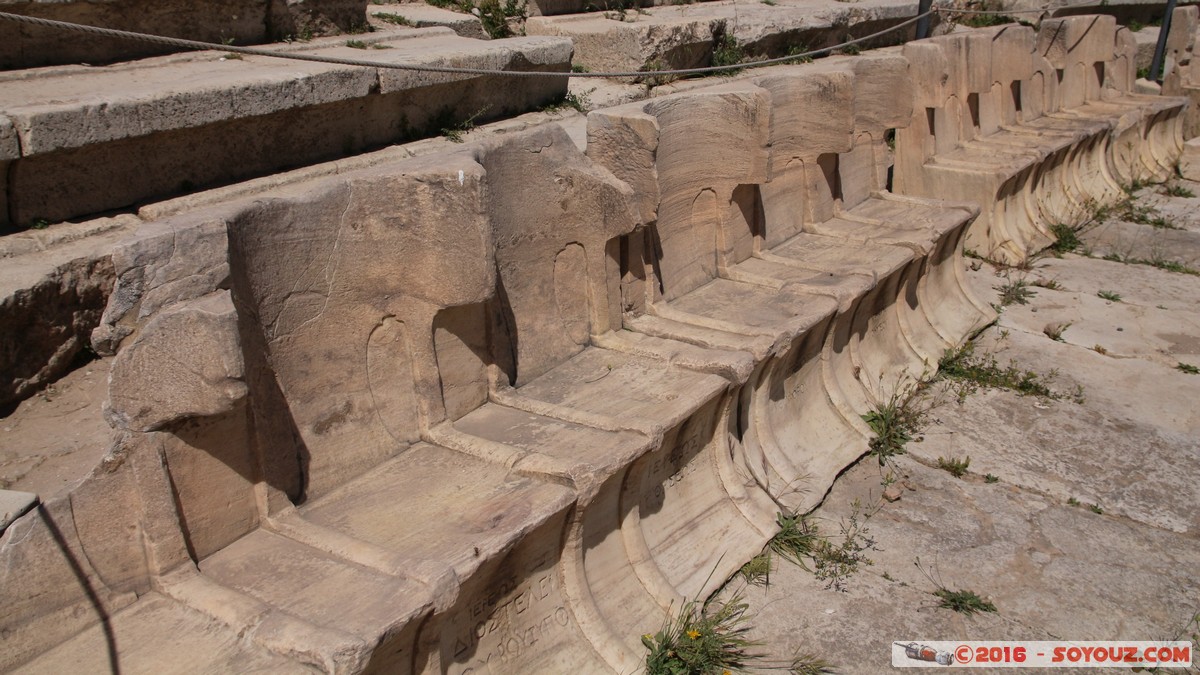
[{"x": 457, "y": 70}]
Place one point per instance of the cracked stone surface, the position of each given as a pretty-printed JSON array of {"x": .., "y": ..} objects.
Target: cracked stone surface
[{"x": 1031, "y": 541}]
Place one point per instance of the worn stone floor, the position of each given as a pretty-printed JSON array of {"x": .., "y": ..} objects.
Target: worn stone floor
[{"x": 1125, "y": 437}]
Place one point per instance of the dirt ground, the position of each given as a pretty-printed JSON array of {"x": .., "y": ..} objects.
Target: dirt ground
[{"x": 1078, "y": 517}]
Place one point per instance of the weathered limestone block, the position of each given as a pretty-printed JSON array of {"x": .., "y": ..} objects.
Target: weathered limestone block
[
  {"x": 53, "y": 288},
  {"x": 24, "y": 46},
  {"x": 13, "y": 505},
  {"x": 1189, "y": 163},
  {"x": 186, "y": 362},
  {"x": 1181, "y": 75},
  {"x": 685, "y": 35},
  {"x": 420, "y": 15},
  {"x": 47, "y": 581},
  {"x": 163, "y": 263},
  {"x": 200, "y": 643},
  {"x": 97, "y": 140},
  {"x": 296, "y": 18},
  {"x": 606, "y": 44},
  {"x": 75, "y": 560},
  {"x": 343, "y": 288}
]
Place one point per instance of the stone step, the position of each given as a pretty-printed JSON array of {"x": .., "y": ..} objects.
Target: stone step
[
  {"x": 78, "y": 140},
  {"x": 420, "y": 15},
  {"x": 159, "y": 635},
  {"x": 685, "y": 36},
  {"x": 242, "y": 22}
]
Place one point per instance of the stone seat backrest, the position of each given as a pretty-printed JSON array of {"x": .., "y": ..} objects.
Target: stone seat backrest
[
  {"x": 556, "y": 220},
  {"x": 1081, "y": 49},
  {"x": 812, "y": 121},
  {"x": 338, "y": 284},
  {"x": 687, "y": 156},
  {"x": 880, "y": 108}
]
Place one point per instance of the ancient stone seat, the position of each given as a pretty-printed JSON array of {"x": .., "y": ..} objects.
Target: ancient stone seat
[
  {"x": 523, "y": 419},
  {"x": 1096, "y": 59},
  {"x": 941, "y": 152},
  {"x": 1181, "y": 76},
  {"x": 1033, "y": 120},
  {"x": 758, "y": 254}
]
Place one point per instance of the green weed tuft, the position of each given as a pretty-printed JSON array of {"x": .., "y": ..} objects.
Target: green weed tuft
[
  {"x": 972, "y": 371},
  {"x": 703, "y": 638},
  {"x": 954, "y": 466},
  {"x": 1065, "y": 238},
  {"x": 1015, "y": 293}
]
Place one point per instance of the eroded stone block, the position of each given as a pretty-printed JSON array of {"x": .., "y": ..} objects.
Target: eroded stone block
[{"x": 187, "y": 362}]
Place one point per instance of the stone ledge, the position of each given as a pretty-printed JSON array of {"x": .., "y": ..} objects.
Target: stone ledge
[
  {"x": 97, "y": 139},
  {"x": 684, "y": 36}
]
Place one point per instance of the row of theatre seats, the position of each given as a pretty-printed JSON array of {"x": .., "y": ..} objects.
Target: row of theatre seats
[
  {"x": 1039, "y": 127},
  {"x": 502, "y": 409}
]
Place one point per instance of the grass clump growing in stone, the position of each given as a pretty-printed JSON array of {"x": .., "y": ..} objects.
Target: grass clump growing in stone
[
  {"x": 1111, "y": 296},
  {"x": 954, "y": 466},
  {"x": 757, "y": 571},
  {"x": 991, "y": 478},
  {"x": 495, "y": 16},
  {"x": 809, "y": 664},
  {"x": 727, "y": 52},
  {"x": 1065, "y": 238},
  {"x": 454, "y": 132},
  {"x": 800, "y": 541},
  {"x": 895, "y": 423},
  {"x": 394, "y": 19},
  {"x": 1015, "y": 292},
  {"x": 963, "y": 601},
  {"x": 1187, "y": 368},
  {"x": 576, "y": 101},
  {"x": 1177, "y": 190},
  {"x": 796, "y": 539},
  {"x": 797, "y": 50},
  {"x": 834, "y": 563},
  {"x": 973, "y": 371},
  {"x": 703, "y": 638}
]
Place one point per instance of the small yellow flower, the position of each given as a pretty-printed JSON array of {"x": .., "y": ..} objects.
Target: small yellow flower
[
  {"x": 693, "y": 633},
  {"x": 726, "y": 672}
]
